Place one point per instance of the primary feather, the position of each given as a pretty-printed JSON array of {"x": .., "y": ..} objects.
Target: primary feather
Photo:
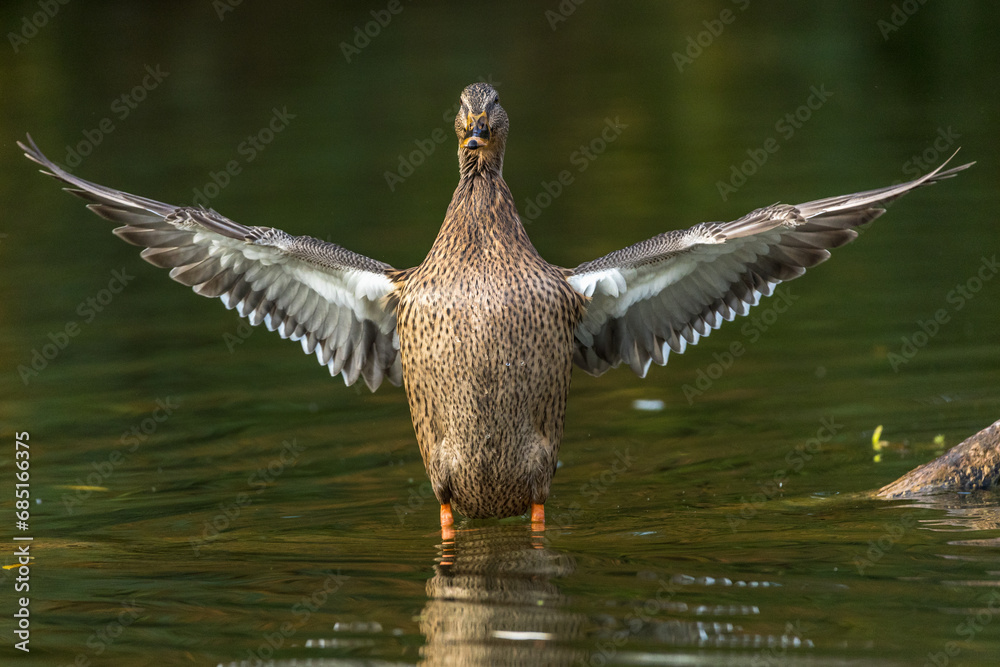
[
  {"x": 667, "y": 292},
  {"x": 338, "y": 304}
]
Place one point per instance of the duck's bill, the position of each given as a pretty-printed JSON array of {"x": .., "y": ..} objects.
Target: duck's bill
[
  {"x": 477, "y": 131},
  {"x": 473, "y": 142}
]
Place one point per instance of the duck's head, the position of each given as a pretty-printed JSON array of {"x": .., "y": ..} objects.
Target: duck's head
[{"x": 481, "y": 126}]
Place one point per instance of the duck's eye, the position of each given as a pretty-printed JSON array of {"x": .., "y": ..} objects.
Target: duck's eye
[{"x": 496, "y": 100}]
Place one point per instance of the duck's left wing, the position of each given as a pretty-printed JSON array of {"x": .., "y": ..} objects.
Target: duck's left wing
[
  {"x": 340, "y": 305},
  {"x": 668, "y": 291}
]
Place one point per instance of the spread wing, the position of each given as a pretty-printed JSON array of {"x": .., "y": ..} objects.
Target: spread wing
[
  {"x": 340, "y": 305},
  {"x": 668, "y": 291}
]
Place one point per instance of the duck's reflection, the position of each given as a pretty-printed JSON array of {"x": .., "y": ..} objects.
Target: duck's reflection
[{"x": 492, "y": 600}]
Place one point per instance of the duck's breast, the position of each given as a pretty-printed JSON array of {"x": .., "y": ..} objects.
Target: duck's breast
[{"x": 487, "y": 358}]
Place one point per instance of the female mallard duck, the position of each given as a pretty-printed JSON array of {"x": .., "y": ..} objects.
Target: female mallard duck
[{"x": 484, "y": 332}]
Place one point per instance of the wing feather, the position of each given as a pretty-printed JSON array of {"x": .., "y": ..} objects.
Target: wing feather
[
  {"x": 665, "y": 293},
  {"x": 338, "y": 304}
]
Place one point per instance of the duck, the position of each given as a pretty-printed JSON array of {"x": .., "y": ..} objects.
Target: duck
[{"x": 485, "y": 333}]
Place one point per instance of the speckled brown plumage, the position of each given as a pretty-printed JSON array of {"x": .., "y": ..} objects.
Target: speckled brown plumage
[
  {"x": 486, "y": 339},
  {"x": 484, "y": 332}
]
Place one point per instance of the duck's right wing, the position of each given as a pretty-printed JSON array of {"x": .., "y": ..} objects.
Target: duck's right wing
[
  {"x": 667, "y": 292},
  {"x": 340, "y": 305}
]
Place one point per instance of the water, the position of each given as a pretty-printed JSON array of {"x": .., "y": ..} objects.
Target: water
[{"x": 260, "y": 510}]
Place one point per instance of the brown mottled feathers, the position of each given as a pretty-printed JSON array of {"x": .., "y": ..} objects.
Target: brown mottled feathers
[
  {"x": 484, "y": 333},
  {"x": 486, "y": 336}
]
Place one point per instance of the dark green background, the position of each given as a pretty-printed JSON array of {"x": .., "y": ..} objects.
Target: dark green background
[{"x": 682, "y": 517}]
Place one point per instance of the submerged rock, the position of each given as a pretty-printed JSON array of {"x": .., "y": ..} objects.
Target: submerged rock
[{"x": 972, "y": 464}]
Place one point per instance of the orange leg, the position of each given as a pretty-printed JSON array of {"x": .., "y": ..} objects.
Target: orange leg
[
  {"x": 447, "y": 522},
  {"x": 538, "y": 514},
  {"x": 447, "y": 518}
]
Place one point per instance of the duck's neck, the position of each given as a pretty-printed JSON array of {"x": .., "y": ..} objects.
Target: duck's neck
[
  {"x": 482, "y": 197},
  {"x": 482, "y": 216}
]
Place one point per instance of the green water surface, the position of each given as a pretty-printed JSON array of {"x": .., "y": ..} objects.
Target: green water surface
[{"x": 202, "y": 493}]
